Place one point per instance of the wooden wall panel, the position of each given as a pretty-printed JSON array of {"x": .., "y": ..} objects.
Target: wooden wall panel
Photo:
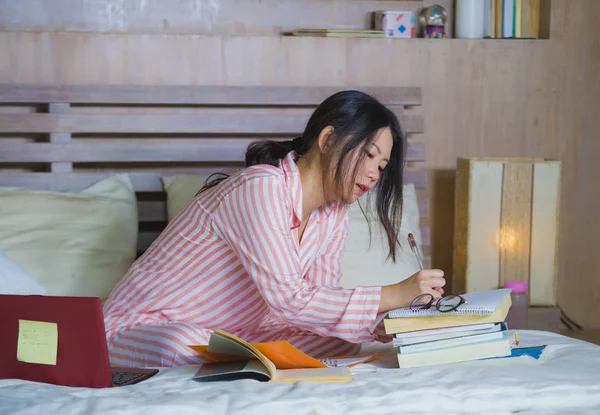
[{"x": 480, "y": 98}]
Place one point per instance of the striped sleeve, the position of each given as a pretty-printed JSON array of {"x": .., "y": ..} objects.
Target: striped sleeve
[{"x": 254, "y": 220}]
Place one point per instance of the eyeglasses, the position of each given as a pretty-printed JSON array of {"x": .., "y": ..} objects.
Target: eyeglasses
[{"x": 443, "y": 305}]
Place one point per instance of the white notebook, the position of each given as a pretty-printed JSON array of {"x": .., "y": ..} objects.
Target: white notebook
[{"x": 478, "y": 304}]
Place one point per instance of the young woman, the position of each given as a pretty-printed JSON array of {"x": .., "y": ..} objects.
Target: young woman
[{"x": 259, "y": 253}]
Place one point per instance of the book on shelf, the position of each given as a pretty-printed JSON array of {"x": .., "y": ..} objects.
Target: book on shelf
[
  {"x": 338, "y": 33},
  {"x": 231, "y": 358},
  {"x": 515, "y": 19},
  {"x": 481, "y": 308}
]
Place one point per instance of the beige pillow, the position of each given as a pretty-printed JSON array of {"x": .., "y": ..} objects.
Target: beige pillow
[
  {"x": 361, "y": 265},
  {"x": 181, "y": 189},
  {"x": 74, "y": 244}
]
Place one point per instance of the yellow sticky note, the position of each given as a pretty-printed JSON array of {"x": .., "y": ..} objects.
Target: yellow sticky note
[{"x": 38, "y": 342}]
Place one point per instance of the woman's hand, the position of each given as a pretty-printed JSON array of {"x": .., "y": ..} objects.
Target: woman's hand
[{"x": 427, "y": 281}]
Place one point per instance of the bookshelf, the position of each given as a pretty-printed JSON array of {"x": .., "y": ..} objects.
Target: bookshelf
[
  {"x": 527, "y": 20},
  {"x": 229, "y": 18}
]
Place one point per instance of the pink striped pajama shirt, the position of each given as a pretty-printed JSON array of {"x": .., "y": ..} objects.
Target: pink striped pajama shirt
[{"x": 231, "y": 260}]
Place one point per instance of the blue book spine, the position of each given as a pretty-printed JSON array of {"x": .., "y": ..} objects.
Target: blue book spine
[
  {"x": 508, "y": 18},
  {"x": 487, "y": 15}
]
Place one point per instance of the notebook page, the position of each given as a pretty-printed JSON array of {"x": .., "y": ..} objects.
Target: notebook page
[{"x": 478, "y": 304}]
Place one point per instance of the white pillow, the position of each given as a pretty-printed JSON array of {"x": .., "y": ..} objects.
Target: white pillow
[
  {"x": 74, "y": 244},
  {"x": 14, "y": 280},
  {"x": 360, "y": 265},
  {"x": 366, "y": 265}
]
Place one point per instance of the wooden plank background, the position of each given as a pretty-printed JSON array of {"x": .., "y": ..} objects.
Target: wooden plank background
[{"x": 482, "y": 97}]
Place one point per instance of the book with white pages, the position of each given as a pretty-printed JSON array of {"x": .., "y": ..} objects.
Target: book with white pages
[
  {"x": 453, "y": 342},
  {"x": 424, "y": 336},
  {"x": 499, "y": 347},
  {"x": 481, "y": 303},
  {"x": 421, "y": 333}
]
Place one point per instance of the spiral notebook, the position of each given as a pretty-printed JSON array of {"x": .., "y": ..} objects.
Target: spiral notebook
[{"x": 478, "y": 304}]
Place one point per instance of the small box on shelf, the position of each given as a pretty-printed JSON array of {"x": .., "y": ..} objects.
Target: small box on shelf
[{"x": 396, "y": 23}]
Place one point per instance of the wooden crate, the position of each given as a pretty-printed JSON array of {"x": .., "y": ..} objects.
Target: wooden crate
[{"x": 506, "y": 225}]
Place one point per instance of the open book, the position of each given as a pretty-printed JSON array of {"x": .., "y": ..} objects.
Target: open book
[{"x": 233, "y": 358}]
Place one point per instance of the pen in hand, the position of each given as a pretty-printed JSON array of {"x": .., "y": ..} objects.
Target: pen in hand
[{"x": 413, "y": 247}]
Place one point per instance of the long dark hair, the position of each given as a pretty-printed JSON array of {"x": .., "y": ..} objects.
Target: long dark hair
[{"x": 356, "y": 119}]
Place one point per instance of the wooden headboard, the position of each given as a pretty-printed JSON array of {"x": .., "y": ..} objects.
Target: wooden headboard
[{"x": 64, "y": 138}]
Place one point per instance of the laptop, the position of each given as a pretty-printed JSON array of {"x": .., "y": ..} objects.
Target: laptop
[{"x": 59, "y": 340}]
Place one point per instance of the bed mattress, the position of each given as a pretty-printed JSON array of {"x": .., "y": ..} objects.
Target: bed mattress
[{"x": 564, "y": 380}]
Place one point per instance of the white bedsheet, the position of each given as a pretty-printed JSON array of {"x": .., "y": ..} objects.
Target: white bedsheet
[{"x": 566, "y": 380}]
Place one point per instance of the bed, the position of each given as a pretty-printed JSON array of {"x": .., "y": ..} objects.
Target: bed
[
  {"x": 564, "y": 383},
  {"x": 133, "y": 155}
]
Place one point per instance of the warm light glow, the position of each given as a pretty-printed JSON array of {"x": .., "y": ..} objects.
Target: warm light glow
[{"x": 507, "y": 239}]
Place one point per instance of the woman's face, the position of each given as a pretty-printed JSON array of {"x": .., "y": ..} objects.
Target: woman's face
[{"x": 377, "y": 156}]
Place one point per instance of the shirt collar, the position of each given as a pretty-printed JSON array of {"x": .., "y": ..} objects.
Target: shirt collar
[{"x": 294, "y": 184}]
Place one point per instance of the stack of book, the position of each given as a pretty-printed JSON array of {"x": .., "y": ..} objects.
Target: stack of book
[{"x": 475, "y": 330}]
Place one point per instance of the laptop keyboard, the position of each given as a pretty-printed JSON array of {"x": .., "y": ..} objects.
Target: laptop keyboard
[{"x": 128, "y": 378}]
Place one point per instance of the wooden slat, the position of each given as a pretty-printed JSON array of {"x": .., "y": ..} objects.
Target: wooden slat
[
  {"x": 122, "y": 150},
  {"x": 415, "y": 151},
  {"x": 143, "y": 150},
  {"x": 17, "y": 109},
  {"x": 196, "y": 95},
  {"x": 515, "y": 222},
  {"x": 216, "y": 121},
  {"x": 25, "y": 138},
  {"x": 478, "y": 207},
  {"x": 545, "y": 209},
  {"x": 59, "y": 167},
  {"x": 142, "y": 182}
]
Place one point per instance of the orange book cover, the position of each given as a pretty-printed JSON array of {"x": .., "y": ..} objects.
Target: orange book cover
[{"x": 281, "y": 353}]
